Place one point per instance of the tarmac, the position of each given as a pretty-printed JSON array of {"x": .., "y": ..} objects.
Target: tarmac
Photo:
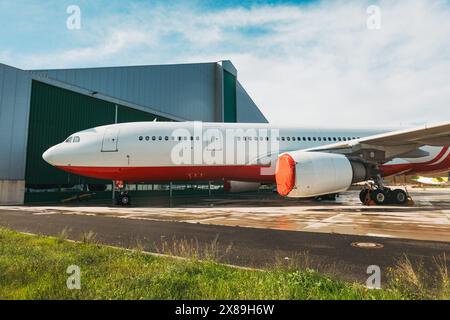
[{"x": 261, "y": 230}]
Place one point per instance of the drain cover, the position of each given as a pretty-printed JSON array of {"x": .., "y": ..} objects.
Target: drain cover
[{"x": 367, "y": 245}]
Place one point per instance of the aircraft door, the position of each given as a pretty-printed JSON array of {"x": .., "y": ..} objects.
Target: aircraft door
[{"x": 110, "y": 140}]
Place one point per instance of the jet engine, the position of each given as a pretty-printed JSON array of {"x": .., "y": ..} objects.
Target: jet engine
[{"x": 302, "y": 174}]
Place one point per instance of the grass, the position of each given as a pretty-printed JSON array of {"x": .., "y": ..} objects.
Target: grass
[
  {"x": 414, "y": 281},
  {"x": 34, "y": 267}
]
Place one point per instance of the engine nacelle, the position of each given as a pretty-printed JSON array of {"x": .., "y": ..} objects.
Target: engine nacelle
[
  {"x": 303, "y": 174},
  {"x": 240, "y": 186}
]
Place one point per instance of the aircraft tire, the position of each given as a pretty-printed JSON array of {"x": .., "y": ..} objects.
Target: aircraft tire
[
  {"x": 124, "y": 200},
  {"x": 399, "y": 196},
  {"x": 363, "y": 195},
  {"x": 379, "y": 196}
]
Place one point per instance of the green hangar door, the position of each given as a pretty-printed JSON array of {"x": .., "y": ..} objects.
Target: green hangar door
[
  {"x": 229, "y": 97},
  {"x": 56, "y": 113}
]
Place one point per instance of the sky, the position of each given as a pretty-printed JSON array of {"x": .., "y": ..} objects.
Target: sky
[{"x": 302, "y": 62}]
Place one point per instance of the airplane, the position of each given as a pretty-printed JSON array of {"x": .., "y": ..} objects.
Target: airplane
[
  {"x": 431, "y": 181},
  {"x": 302, "y": 162}
]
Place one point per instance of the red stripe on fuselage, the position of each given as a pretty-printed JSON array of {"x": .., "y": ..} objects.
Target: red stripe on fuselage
[
  {"x": 393, "y": 169},
  {"x": 239, "y": 173},
  {"x": 437, "y": 158},
  {"x": 418, "y": 168},
  {"x": 174, "y": 173}
]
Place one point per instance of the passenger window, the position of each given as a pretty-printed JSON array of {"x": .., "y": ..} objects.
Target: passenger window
[
  {"x": 320, "y": 139},
  {"x": 309, "y": 138},
  {"x": 293, "y": 138},
  {"x": 304, "y": 139},
  {"x": 166, "y": 138},
  {"x": 283, "y": 138},
  {"x": 147, "y": 138},
  {"x": 314, "y": 138},
  {"x": 288, "y": 139},
  {"x": 339, "y": 138},
  {"x": 334, "y": 139},
  {"x": 329, "y": 139},
  {"x": 141, "y": 138},
  {"x": 153, "y": 138},
  {"x": 159, "y": 138},
  {"x": 344, "y": 138}
]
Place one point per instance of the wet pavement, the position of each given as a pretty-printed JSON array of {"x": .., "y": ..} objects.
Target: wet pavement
[
  {"x": 427, "y": 219},
  {"x": 262, "y": 230}
]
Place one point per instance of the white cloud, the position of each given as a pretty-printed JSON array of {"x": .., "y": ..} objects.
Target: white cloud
[
  {"x": 111, "y": 47},
  {"x": 317, "y": 64},
  {"x": 5, "y": 56}
]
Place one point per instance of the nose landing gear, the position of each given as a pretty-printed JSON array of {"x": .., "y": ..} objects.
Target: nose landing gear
[{"x": 123, "y": 199}]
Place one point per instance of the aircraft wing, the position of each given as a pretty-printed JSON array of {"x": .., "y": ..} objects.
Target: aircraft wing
[{"x": 383, "y": 147}]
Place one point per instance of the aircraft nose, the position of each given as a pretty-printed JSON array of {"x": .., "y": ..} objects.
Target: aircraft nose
[{"x": 49, "y": 155}]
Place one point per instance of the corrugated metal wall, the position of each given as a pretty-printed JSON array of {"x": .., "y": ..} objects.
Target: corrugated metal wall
[
  {"x": 15, "y": 87},
  {"x": 56, "y": 113},
  {"x": 189, "y": 91},
  {"x": 247, "y": 110},
  {"x": 184, "y": 90}
]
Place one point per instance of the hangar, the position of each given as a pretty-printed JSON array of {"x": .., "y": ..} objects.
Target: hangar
[{"x": 40, "y": 108}]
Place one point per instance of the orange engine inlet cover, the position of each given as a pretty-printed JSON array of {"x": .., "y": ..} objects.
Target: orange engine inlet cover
[{"x": 285, "y": 174}]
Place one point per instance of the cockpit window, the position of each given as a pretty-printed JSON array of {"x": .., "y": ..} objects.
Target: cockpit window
[
  {"x": 69, "y": 140},
  {"x": 76, "y": 139}
]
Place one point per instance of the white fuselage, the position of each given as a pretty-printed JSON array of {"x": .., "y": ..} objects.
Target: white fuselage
[{"x": 180, "y": 151}]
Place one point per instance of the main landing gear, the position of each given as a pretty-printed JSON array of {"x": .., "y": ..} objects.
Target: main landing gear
[
  {"x": 377, "y": 193},
  {"x": 383, "y": 196}
]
